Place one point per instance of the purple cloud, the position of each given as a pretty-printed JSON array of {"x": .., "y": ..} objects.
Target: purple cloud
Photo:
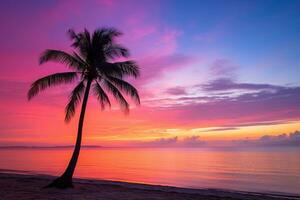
[
  {"x": 227, "y": 84},
  {"x": 223, "y": 68},
  {"x": 260, "y": 106},
  {"x": 282, "y": 140},
  {"x": 193, "y": 141},
  {"x": 292, "y": 139},
  {"x": 176, "y": 91},
  {"x": 258, "y": 103}
]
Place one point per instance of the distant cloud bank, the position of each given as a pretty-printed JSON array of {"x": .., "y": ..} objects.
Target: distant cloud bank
[
  {"x": 283, "y": 140},
  {"x": 193, "y": 141},
  {"x": 292, "y": 139}
]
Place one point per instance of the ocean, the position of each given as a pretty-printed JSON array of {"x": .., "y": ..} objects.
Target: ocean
[{"x": 257, "y": 169}]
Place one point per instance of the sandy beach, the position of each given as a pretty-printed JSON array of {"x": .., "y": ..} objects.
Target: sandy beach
[{"x": 23, "y": 186}]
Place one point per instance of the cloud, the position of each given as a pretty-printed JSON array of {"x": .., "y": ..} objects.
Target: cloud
[
  {"x": 193, "y": 141},
  {"x": 220, "y": 129},
  {"x": 292, "y": 139},
  {"x": 225, "y": 84},
  {"x": 176, "y": 91},
  {"x": 257, "y": 104},
  {"x": 260, "y": 106},
  {"x": 223, "y": 68},
  {"x": 282, "y": 140},
  {"x": 162, "y": 142},
  {"x": 231, "y": 127}
]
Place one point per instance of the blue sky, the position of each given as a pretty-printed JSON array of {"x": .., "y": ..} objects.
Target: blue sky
[{"x": 262, "y": 37}]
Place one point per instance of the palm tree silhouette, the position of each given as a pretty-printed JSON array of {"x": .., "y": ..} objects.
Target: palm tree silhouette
[{"x": 92, "y": 66}]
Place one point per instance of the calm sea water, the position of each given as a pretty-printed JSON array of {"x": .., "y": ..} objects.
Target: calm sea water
[{"x": 262, "y": 170}]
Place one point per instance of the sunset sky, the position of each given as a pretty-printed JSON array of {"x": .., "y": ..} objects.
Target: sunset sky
[{"x": 211, "y": 71}]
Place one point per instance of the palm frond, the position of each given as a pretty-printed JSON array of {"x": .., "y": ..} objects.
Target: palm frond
[
  {"x": 106, "y": 34},
  {"x": 119, "y": 69},
  {"x": 80, "y": 59},
  {"x": 129, "y": 68},
  {"x": 74, "y": 37},
  {"x": 71, "y": 33},
  {"x": 117, "y": 95},
  {"x": 109, "y": 69},
  {"x": 115, "y": 50},
  {"x": 49, "y": 81},
  {"x": 126, "y": 87},
  {"x": 112, "y": 32},
  {"x": 74, "y": 100},
  {"x": 61, "y": 57},
  {"x": 98, "y": 39},
  {"x": 101, "y": 96},
  {"x": 103, "y": 37},
  {"x": 81, "y": 41}
]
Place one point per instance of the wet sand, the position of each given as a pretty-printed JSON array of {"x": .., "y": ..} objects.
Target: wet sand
[{"x": 29, "y": 187}]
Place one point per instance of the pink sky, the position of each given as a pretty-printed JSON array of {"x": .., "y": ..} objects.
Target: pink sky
[{"x": 186, "y": 91}]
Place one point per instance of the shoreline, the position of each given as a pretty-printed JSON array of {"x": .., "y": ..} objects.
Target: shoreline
[{"x": 23, "y": 185}]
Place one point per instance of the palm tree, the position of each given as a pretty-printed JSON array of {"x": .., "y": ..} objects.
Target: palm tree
[{"x": 92, "y": 65}]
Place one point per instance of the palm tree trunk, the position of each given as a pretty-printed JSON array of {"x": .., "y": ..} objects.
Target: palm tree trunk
[{"x": 65, "y": 180}]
